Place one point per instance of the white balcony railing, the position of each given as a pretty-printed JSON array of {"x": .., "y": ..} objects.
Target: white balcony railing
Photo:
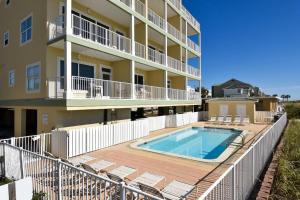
[
  {"x": 149, "y": 92},
  {"x": 176, "y": 3},
  {"x": 156, "y": 19},
  {"x": 156, "y": 56},
  {"x": 140, "y": 50},
  {"x": 140, "y": 7},
  {"x": 193, "y": 71},
  {"x": 174, "y": 64},
  {"x": 193, "y": 45},
  {"x": 92, "y": 88},
  {"x": 173, "y": 31},
  {"x": 190, "y": 18},
  {"x": 91, "y": 31}
]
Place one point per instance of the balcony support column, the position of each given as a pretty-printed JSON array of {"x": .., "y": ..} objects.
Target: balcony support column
[
  {"x": 166, "y": 15},
  {"x": 146, "y": 31},
  {"x": 166, "y": 83},
  {"x": 132, "y": 75},
  {"x": 68, "y": 17},
  {"x": 186, "y": 87},
  {"x": 132, "y": 34},
  {"x": 68, "y": 70},
  {"x": 186, "y": 32}
]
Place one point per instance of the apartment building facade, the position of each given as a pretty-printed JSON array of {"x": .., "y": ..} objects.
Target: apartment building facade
[{"x": 73, "y": 62}]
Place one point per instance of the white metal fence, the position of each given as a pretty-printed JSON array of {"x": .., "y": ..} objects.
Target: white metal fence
[
  {"x": 140, "y": 50},
  {"x": 175, "y": 64},
  {"x": 156, "y": 19},
  {"x": 181, "y": 119},
  {"x": 56, "y": 27},
  {"x": 150, "y": 92},
  {"x": 157, "y": 123},
  {"x": 193, "y": 45},
  {"x": 238, "y": 181},
  {"x": 140, "y": 7},
  {"x": 59, "y": 180},
  {"x": 156, "y": 56},
  {"x": 174, "y": 31}
]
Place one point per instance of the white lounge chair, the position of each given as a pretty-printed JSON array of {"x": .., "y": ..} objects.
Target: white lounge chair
[
  {"x": 212, "y": 119},
  {"x": 237, "y": 120},
  {"x": 174, "y": 191},
  {"x": 146, "y": 179},
  {"x": 228, "y": 120},
  {"x": 220, "y": 119},
  {"x": 246, "y": 120}
]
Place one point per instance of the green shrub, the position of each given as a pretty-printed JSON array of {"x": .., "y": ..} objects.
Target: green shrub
[{"x": 293, "y": 111}]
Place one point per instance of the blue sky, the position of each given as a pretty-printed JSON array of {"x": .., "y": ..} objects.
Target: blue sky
[{"x": 256, "y": 41}]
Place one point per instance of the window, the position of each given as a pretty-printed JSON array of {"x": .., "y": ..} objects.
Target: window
[
  {"x": 33, "y": 77},
  {"x": 26, "y": 30},
  {"x": 6, "y": 39},
  {"x": 139, "y": 79},
  {"x": 11, "y": 78},
  {"x": 169, "y": 84},
  {"x": 106, "y": 73}
]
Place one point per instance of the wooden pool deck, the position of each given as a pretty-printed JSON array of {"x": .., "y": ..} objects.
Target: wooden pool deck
[{"x": 201, "y": 174}]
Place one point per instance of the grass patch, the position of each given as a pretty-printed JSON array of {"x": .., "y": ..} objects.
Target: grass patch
[
  {"x": 287, "y": 180},
  {"x": 4, "y": 181}
]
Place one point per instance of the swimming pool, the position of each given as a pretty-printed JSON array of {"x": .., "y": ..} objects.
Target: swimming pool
[{"x": 197, "y": 142}]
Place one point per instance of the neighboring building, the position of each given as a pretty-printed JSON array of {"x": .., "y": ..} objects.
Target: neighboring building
[
  {"x": 235, "y": 88},
  {"x": 72, "y": 62}
]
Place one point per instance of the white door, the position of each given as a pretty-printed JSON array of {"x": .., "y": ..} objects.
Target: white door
[
  {"x": 241, "y": 110},
  {"x": 223, "y": 110}
]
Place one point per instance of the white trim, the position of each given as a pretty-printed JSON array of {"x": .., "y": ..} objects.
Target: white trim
[
  {"x": 9, "y": 81},
  {"x": 40, "y": 69},
  {"x": 22, "y": 20},
  {"x": 6, "y": 45}
]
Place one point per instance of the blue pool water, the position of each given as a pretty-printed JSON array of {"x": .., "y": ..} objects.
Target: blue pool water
[{"x": 204, "y": 143}]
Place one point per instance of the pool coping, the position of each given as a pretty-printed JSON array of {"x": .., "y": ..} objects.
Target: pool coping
[{"x": 222, "y": 157}]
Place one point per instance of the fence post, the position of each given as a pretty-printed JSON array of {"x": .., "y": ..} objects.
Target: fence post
[
  {"x": 59, "y": 179},
  {"x": 13, "y": 141},
  {"x": 21, "y": 162},
  {"x": 234, "y": 183},
  {"x": 123, "y": 191}
]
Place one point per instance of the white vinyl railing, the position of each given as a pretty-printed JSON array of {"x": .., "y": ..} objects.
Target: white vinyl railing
[
  {"x": 140, "y": 50},
  {"x": 193, "y": 71},
  {"x": 174, "y": 31},
  {"x": 192, "y": 95},
  {"x": 190, "y": 18},
  {"x": 183, "y": 38},
  {"x": 175, "y": 64},
  {"x": 240, "y": 178},
  {"x": 91, "y": 31},
  {"x": 74, "y": 141},
  {"x": 177, "y": 120},
  {"x": 140, "y": 7},
  {"x": 156, "y": 19},
  {"x": 193, "y": 45},
  {"x": 56, "y": 28},
  {"x": 176, "y": 3},
  {"x": 175, "y": 94},
  {"x": 149, "y": 92},
  {"x": 99, "y": 88},
  {"x": 156, "y": 56}
]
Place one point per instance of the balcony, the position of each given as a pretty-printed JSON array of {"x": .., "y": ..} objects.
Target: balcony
[
  {"x": 156, "y": 19},
  {"x": 193, "y": 45},
  {"x": 190, "y": 18},
  {"x": 175, "y": 64},
  {"x": 92, "y": 88},
  {"x": 140, "y": 50},
  {"x": 173, "y": 31},
  {"x": 156, "y": 56},
  {"x": 193, "y": 71},
  {"x": 87, "y": 30},
  {"x": 140, "y": 8}
]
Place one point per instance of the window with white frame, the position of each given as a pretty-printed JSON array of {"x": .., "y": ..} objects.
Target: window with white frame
[
  {"x": 26, "y": 30},
  {"x": 11, "y": 78},
  {"x": 33, "y": 77},
  {"x": 6, "y": 39},
  {"x": 106, "y": 73}
]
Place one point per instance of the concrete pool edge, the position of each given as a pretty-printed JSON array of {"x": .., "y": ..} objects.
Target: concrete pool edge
[{"x": 222, "y": 157}]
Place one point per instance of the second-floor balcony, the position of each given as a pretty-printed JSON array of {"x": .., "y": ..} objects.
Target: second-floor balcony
[{"x": 93, "y": 88}]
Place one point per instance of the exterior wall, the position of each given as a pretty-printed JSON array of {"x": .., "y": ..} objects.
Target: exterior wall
[
  {"x": 177, "y": 82},
  {"x": 214, "y": 108},
  {"x": 120, "y": 69},
  {"x": 57, "y": 118},
  {"x": 175, "y": 21},
  {"x": 31, "y": 52},
  {"x": 174, "y": 51}
]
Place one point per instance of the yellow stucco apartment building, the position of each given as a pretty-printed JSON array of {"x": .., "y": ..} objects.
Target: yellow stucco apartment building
[{"x": 73, "y": 62}]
